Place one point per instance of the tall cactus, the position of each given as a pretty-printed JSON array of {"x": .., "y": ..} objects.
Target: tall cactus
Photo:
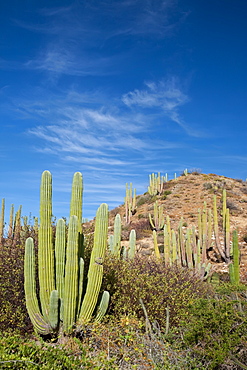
[
  {"x": 130, "y": 202},
  {"x": 158, "y": 220},
  {"x": 2, "y": 219},
  {"x": 61, "y": 268},
  {"x": 234, "y": 268},
  {"x": 156, "y": 183},
  {"x": 115, "y": 239}
]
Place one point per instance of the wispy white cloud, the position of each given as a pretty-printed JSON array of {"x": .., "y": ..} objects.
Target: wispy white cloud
[
  {"x": 166, "y": 95},
  {"x": 76, "y": 35}
]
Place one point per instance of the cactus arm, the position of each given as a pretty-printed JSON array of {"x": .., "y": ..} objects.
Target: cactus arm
[
  {"x": 132, "y": 244},
  {"x": 174, "y": 246},
  {"x": 2, "y": 219},
  {"x": 234, "y": 266},
  {"x": 189, "y": 249},
  {"x": 95, "y": 272},
  {"x": 45, "y": 251},
  {"x": 38, "y": 321},
  {"x": 227, "y": 234},
  {"x": 216, "y": 229},
  {"x": 54, "y": 309},
  {"x": 60, "y": 246},
  {"x": 103, "y": 306},
  {"x": 71, "y": 276},
  {"x": 76, "y": 199},
  {"x": 11, "y": 220},
  {"x": 166, "y": 246},
  {"x": 117, "y": 236},
  {"x": 81, "y": 279},
  {"x": 156, "y": 248}
]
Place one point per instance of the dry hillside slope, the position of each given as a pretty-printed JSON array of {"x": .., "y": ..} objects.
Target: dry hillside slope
[{"x": 182, "y": 198}]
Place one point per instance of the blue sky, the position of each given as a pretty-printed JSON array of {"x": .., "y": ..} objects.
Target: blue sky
[{"x": 117, "y": 90}]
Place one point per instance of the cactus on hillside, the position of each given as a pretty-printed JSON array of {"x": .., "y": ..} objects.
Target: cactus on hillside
[
  {"x": 156, "y": 183},
  {"x": 158, "y": 220},
  {"x": 2, "y": 219},
  {"x": 130, "y": 202},
  {"x": 63, "y": 303},
  {"x": 115, "y": 239},
  {"x": 234, "y": 268}
]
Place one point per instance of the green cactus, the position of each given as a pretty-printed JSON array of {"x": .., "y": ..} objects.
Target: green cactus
[
  {"x": 156, "y": 248},
  {"x": 11, "y": 220},
  {"x": 156, "y": 183},
  {"x": 2, "y": 219},
  {"x": 61, "y": 268},
  {"x": 115, "y": 240},
  {"x": 132, "y": 244},
  {"x": 234, "y": 268},
  {"x": 130, "y": 202},
  {"x": 158, "y": 220}
]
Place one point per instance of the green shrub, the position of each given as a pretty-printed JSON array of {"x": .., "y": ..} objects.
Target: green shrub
[
  {"x": 13, "y": 313},
  {"x": 21, "y": 353},
  {"x": 213, "y": 330},
  {"x": 158, "y": 286}
]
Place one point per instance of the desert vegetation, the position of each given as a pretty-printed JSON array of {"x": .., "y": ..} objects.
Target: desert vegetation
[{"x": 158, "y": 283}]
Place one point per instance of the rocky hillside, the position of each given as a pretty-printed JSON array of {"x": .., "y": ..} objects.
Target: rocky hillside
[{"x": 181, "y": 198}]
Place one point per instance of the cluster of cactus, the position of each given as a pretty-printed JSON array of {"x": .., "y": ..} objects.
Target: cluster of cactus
[
  {"x": 64, "y": 304},
  {"x": 157, "y": 222},
  {"x": 190, "y": 249},
  {"x": 14, "y": 226},
  {"x": 223, "y": 250},
  {"x": 114, "y": 241},
  {"x": 184, "y": 250},
  {"x": 130, "y": 202},
  {"x": 156, "y": 183}
]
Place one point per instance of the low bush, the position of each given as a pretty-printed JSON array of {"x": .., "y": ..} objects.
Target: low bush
[
  {"x": 13, "y": 313},
  {"x": 22, "y": 353},
  {"x": 158, "y": 286},
  {"x": 214, "y": 331}
]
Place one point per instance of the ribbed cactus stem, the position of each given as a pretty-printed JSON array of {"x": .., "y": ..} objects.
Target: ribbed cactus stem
[
  {"x": 117, "y": 236},
  {"x": 39, "y": 323},
  {"x": 216, "y": 229},
  {"x": 234, "y": 268},
  {"x": 227, "y": 234},
  {"x": 181, "y": 243},
  {"x": 76, "y": 198},
  {"x": 132, "y": 244},
  {"x": 174, "y": 246},
  {"x": 224, "y": 209},
  {"x": 103, "y": 306},
  {"x": 2, "y": 219},
  {"x": 71, "y": 276},
  {"x": 60, "y": 247},
  {"x": 95, "y": 272},
  {"x": 189, "y": 249},
  {"x": 45, "y": 251},
  {"x": 167, "y": 255},
  {"x": 156, "y": 248},
  {"x": 54, "y": 309},
  {"x": 11, "y": 221}
]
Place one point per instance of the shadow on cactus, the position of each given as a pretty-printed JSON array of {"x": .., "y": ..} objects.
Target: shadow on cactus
[{"x": 62, "y": 305}]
